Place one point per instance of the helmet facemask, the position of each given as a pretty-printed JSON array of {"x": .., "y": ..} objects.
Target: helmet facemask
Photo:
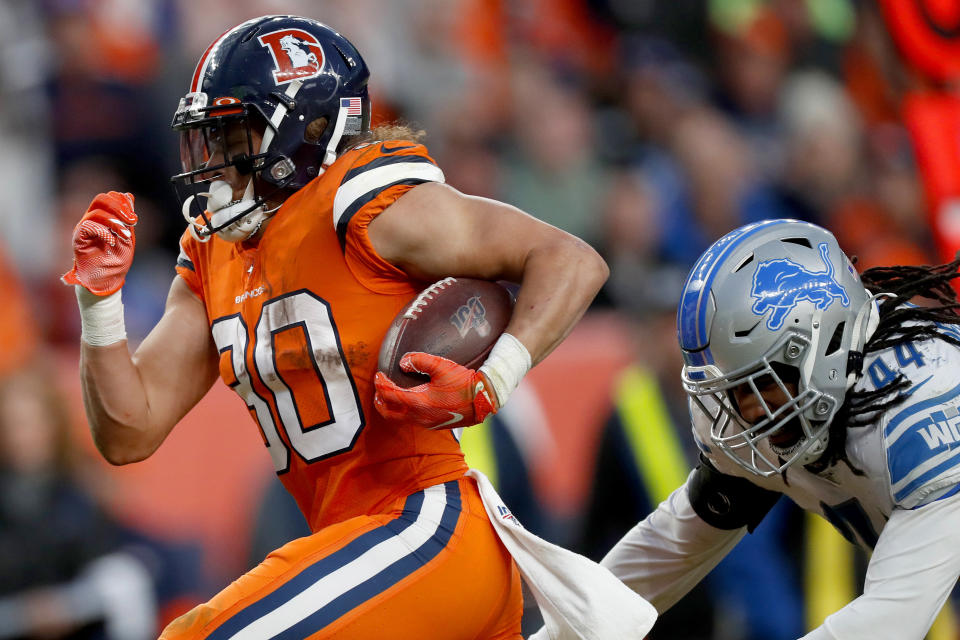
[
  {"x": 794, "y": 423},
  {"x": 215, "y": 141}
]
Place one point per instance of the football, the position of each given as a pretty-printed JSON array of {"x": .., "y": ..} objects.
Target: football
[{"x": 457, "y": 318}]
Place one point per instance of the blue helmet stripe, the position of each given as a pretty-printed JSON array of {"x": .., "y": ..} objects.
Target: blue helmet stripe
[
  {"x": 697, "y": 358},
  {"x": 692, "y": 310}
]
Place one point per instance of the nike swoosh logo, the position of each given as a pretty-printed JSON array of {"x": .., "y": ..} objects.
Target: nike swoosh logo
[
  {"x": 457, "y": 417},
  {"x": 481, "y": 389},
  {"x": 386, "y": 149},
  {"x": 913, "y": 388}
]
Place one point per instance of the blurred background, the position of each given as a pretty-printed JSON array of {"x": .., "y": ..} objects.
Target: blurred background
[{"x": 647, "y": 128}]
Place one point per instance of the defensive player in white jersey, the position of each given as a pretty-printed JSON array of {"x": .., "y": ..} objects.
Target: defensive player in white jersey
[{"x": 842, "y": 394}]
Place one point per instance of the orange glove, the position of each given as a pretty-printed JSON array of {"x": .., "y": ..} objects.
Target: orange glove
[
  {"x": 103, "y": 243},
  {"x": 454, "y": 397}
]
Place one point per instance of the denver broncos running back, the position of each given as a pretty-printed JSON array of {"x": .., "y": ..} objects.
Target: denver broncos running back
[
  {"x": 806, "y": 381},
  {"x": 306, "y": 234}
]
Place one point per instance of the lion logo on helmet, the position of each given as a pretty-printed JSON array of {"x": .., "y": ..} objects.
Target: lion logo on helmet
[{"x": 780, "y": 285}]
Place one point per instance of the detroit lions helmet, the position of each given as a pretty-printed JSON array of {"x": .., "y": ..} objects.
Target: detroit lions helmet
[
  {"x": 773, "y": 305},
  {"x": 282, "y": 77}
]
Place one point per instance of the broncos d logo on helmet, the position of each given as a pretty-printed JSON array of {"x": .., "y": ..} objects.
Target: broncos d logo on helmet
[
  {"x": 780, "y": 285},
  {"x": 296, "y": 54}
]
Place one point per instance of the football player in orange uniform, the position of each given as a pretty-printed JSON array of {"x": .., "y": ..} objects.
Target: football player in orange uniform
[{"x": 307, "y": 233}]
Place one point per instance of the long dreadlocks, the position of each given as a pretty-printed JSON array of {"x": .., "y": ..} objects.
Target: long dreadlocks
[{"x": 901, "y": 321}]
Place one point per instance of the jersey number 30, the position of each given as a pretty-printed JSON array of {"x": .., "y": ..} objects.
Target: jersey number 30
[{"x": 303, "y": 311}]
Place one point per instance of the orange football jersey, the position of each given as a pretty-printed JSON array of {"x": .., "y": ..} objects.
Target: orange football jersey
[{"x": 298, "y": 319}]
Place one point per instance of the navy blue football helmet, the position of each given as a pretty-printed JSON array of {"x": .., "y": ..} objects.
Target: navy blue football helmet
[{"x": 281, "y": 78}]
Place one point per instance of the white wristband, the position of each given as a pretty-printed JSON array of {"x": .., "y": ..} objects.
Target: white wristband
[
  {"x": 506, "y": 365},
  {"x": 101, "y": 318}
]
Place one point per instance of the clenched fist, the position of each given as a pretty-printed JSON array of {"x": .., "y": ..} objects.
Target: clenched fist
[{"x": 103, "y": 243}]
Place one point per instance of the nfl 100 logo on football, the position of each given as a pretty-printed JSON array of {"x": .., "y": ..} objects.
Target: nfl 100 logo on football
[{"x": 471, "y": 315}]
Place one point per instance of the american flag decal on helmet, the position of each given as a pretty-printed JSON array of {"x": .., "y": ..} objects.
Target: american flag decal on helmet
[{"x": 352, "y": 106}]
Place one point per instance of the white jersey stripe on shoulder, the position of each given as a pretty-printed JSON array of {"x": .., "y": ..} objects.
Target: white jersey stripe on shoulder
[
  {"x": 347, "y": 577},
  {"x": 355, "y": 188}
]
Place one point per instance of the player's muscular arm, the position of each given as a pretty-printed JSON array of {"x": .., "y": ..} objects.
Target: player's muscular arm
[
  {"x": 434, "y": 231},
  {"x": 133, "y": 402}
]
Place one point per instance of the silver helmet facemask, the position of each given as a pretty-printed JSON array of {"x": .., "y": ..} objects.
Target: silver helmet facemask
[{"x": 774, "y": 310}]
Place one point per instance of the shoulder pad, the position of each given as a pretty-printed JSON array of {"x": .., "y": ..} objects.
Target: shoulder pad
[
  {"x": 728, "y": 502},
  {"x": 401, "y": 163}
]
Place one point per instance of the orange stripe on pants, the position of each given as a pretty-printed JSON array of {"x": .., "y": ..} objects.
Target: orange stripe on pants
[{"x": 431, "y": 567}]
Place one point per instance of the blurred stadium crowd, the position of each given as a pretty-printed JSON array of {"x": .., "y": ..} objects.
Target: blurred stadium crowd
[{"x": 646, "y": 128}]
